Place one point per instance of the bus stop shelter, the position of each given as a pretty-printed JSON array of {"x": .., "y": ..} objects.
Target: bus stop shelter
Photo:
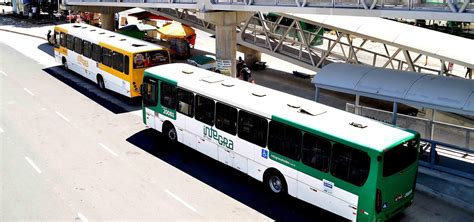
[{"x": 435, "y": 92}]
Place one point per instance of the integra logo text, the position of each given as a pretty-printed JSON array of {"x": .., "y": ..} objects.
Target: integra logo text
[{"x": 211, "y": 133}]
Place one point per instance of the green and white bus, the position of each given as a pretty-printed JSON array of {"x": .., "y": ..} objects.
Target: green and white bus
[{"x": 358, "y": 168}]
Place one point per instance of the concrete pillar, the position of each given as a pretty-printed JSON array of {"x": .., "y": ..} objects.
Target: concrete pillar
[
  {"x": 250, "y": 56},
  {"x": 108, "y": 20},
  {"x": 226, "y": 39}
]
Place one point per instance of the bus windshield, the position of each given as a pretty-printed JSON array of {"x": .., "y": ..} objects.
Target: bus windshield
[
  {"x": 149, "y": 59},
  {"x": 400, "y": 157}
]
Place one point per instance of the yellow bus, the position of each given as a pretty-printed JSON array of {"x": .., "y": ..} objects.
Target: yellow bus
[{"x": 115, "y": 62}]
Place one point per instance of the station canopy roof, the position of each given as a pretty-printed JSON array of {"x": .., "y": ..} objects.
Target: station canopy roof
[
  {"x": 450, "y": 94},
  {"x": 421, "y": 40}
]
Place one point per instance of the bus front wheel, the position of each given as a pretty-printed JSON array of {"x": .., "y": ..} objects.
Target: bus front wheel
[
  {"x": 275, "y": 182},
  {"x": 66, "y": 67},
  {"x": 100, "y": 82},
  {"x": 170, "y": 133}
]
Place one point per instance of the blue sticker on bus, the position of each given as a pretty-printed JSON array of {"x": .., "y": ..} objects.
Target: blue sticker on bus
[{"x": 265, "y": 153}]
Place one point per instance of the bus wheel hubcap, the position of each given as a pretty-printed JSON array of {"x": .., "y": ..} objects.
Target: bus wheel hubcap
[
  {"x": 275, "y": 184},
  {"x": 172, "y": 134}
]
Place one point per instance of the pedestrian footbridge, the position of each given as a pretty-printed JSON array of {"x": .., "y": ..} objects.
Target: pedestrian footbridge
[{"x": 452, "y": 10}]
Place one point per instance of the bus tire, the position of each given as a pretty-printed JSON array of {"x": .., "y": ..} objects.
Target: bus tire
[
  {"x": 275, "y": 181},
  {"x": 170, "y": 132},
  {"x": 66, "y": 67},
  {"x": 100, "y": 82}
]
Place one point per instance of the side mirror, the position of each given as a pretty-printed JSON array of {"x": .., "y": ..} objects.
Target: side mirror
[{"x": 142, "y": 89}]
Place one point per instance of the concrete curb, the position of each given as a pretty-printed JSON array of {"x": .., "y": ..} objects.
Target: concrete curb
[{"x": 22, "y": 33}]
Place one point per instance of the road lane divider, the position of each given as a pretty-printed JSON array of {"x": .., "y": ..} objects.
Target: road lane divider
[
  {"x": 33, "y": 164},
  {"x": 181, "y": 201},
  {"x": 108, "y": 149},
  {"x": 3, "y": 73},
  {"x": 81, "y": 217},
  {"x": 29, "y": 92},
  {"x": 1, "y": 130},
  {"x": 62, "y": 116}
]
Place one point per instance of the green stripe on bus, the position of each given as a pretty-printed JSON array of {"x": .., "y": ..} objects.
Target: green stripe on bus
[{"x": 170, "y": 81}]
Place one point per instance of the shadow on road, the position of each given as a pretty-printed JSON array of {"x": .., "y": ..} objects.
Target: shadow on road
[
  {"x": 228, "y": 180},
  {"x": 45, "y": 47},
  {"x": 114, "y": 102}
]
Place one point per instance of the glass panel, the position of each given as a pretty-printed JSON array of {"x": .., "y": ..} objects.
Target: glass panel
[
  {"x": 149, "y": 90},
  {"x": 316, "y": 152},
  {"x": 350, "y": 164},
  {"x": 168, "y": 95},
  {"x": 253, "y": 128},
  {"x": 400, "y": 157},
  {"x": 185, "y": 102},
  {"x": 284, "y": 140},
  {"x": 226, "y": 118},
  {"x": 149, "y": 59},
  {"x": 205, "y": 110}
]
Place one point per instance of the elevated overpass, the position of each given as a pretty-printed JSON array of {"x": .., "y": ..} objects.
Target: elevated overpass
[{"x": 452, "y": 10}]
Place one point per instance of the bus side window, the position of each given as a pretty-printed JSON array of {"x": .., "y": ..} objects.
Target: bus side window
[
  {"x": 117, "y": 62},
  {"x": 96, "y": 52},
  {"x": 126, "y": 65},
  {"x": 149, "y": 90},
  {"x": 205, "y": 110},
  {"x": 107, "y": 57},
  {"x": 284, "y": 140},
  {"x": 86, "y": 49},
  {"x": 78, "y": 45},
  {"x": 70, "y": 42},
  {"x": 226, "y": 118},
  {"x": 168, "y": 95},
  {"x": 63, "y": 39},
  {"x": 316, "y": 152},
  {"x": 185, "y": 102},
  {"x": 252, "y": 128},
  {"x": 350, "y": 164}
]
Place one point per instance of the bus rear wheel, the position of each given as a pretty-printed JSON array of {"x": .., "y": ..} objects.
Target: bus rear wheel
[
  {"x": 100, "y": 82},
  {"x": 275, "y": 182}
]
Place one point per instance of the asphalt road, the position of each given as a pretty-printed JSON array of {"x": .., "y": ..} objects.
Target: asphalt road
[{"x": 69, "y": 151}]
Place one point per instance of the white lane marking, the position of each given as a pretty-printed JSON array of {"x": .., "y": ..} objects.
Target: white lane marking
[
  {"x": 29, "y": 92},
  {"x": 180, "y": 200},
  {"x": 33, "y": 164},
  {"x": 62, "y": 116},
  {"x": 108, "y": 149},
  {"x": 1, "y": 130},
  {"x": 82, "y": 217},
  {"x": 3, "y": 73}
]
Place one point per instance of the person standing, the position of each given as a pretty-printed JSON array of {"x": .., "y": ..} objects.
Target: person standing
[
  {"x": 468, "y": 73},
  {"x": 240, "y": 65},
  {"x": 246, "y": 74}
]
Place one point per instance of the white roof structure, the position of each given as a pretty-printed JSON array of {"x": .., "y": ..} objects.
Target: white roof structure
[
  {"x": 443, "y": 93},
  {"x": 428, "y": 42},
  {"x": 98, "y": 35},
  {"x": 271, "y": 103}
]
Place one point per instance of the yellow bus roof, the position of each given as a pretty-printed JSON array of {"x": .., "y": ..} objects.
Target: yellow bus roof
[{"x": 104, "y": 37}]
